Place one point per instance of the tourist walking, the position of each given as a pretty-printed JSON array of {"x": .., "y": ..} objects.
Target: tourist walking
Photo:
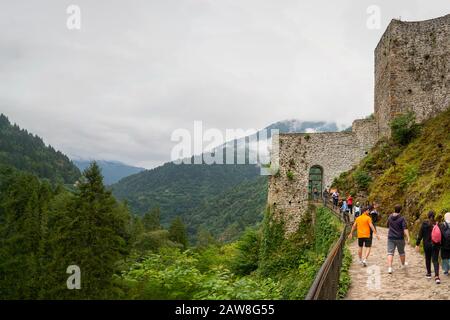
[
  {"x": 325, "y": 195},
  {"x": 374, "y": 214},
  {"x": 363, "y": 225},
  {"x": 335, "y": 197},
  {"x": 315, "y": 194},
  {"x": 350, "y": 203},
  {"x": 357, "y": 210},
  {"x": 430, "y": 249},
  {"x": 344, "y": 210},
  {"x": 445, "y": 248},
  {"x": 398, "y": 230}
]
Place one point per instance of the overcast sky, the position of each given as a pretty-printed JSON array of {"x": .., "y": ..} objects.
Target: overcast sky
[{"x": 137, "y": 70}]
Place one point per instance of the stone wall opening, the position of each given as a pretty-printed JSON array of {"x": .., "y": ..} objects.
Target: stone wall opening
[{"x": 315, "y": 185}]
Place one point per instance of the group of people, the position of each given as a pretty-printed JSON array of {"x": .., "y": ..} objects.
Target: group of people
[
  {"x": 435, "y": 237},
  {"x": 346, "y": 206}
]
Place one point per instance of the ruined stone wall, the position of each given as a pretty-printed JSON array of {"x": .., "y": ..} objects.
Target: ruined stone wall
[
  {"x": 366, "y": 131},
  {"x": 334, "y": 152},
  {"x": 412, "y": 73},
  {"x": 412, "y": 70}
]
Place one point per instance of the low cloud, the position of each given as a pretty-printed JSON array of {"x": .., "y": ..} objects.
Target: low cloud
[{"x": 117, "y": 88}]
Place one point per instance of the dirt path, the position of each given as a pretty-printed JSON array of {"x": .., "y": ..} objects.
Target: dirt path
[{"x": 374, "y": 283}]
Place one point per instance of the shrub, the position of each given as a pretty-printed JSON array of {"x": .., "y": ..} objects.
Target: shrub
[
  {"x": 294, "y": 260},
  {"x": 409, "y": 176},
  {"x": 344, "y": 278},
  {"x": 246, "y": 260},
  {"x": 404, "y": 128},
  {"x": 290, "y": 175},
  {"x": 173, "y": 274},
  {"x": 362, "y": 179}
]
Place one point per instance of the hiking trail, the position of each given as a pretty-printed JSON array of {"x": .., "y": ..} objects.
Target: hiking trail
[{"x": 374, "y": 283}]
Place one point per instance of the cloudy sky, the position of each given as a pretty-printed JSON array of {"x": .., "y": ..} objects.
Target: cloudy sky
[{"x": 137, "y": 70}]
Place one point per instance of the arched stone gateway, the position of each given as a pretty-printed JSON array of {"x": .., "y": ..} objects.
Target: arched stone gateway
[
  {"x": 315, "y": 184},
  {"x": 412, "y": 73}
]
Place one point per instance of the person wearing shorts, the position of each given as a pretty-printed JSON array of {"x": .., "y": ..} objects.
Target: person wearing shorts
[
  {"x": 363, "y": 225},
  {"x": 398, "y": 230}
]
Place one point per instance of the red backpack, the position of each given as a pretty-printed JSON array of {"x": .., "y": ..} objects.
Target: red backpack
[{"x": 436, "y": 235}]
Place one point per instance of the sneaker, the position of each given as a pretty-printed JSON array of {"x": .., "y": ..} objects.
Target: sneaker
[
  {"x": 404, "y": 265},
  {"x": 446, "y": 273},
  {"x": 390, "y": 270},
  {"x": 428, "y": 276},
  {"x": 438, "y": 281},
  {"x": 360, "y": 262},
  {"x": 364, "y": 263}
]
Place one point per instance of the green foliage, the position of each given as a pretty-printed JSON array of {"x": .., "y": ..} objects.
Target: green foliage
[
  {"x": 177, "y": 232},
  {"x": 227, "y": 214},
  {"x": 173, "y": 274},
  {"x": 327, "y": 229},
  {"x": 294, "y": 260},
  {"x": 26, "y": 152},
  {"x": 409, "y": 175},
  {"x": 344, "y": 279},
  {"x": 23, "y": 200},
  {"x": 151, "y": 220},
  {"x": 44, "y": 230},
  {"x": 248, "y": 247},
  {"x": 153, "y": 240},
  {"x": 204, "y": 238},
  {"x": 179, "y": 188},
  {"x": 220, "y": 284},
  {"x": 91, "y": 233},
  {"x": 404, "y": 128},
  {"x": 362, "y": 179},
  {"x": 290, "y": 175},
  {"x": 225, "y": 199}
]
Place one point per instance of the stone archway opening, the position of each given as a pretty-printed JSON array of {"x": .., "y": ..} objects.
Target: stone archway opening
[{"x": 315, "y": 184}]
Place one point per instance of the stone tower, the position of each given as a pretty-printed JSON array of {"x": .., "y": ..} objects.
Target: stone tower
[{"x": 412, "y": 70}]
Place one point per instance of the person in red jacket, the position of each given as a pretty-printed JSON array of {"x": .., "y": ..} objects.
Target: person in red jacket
[{"x": 350, "y": 203}]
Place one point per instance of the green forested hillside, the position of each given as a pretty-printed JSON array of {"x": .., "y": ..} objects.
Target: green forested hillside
[
  {"x": 412, "y": 169},
  {"x": 177, "y": 189},
  {"x": 47, "y": 233},
  {"x": 224, "y": 199},
  {"x": 229, "y": 213},
  {"x": 24, "y": 151}
]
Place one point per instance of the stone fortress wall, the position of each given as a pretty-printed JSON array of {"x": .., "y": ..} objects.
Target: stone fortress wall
[
  {"x": 411, "y": 74},
  {"x": 412, "y": 70}
]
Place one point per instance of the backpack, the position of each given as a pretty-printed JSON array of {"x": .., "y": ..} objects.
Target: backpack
[
  {"x": 436, "y": 235},
  {"x": 446, "y": 236}
]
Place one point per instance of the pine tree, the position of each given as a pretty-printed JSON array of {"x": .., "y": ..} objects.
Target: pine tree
[
  {"x": 151, "y": 220},
  {"x": 177, "y": 232},
  {"x": 204, "y": 238},
  {"x": 137, "y": 229},
  {"x": 92, "y": 235},
  {"x": 23, "y": 220}
]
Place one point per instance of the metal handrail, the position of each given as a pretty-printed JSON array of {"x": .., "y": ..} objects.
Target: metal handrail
[{"x": 326, "y": 283}]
